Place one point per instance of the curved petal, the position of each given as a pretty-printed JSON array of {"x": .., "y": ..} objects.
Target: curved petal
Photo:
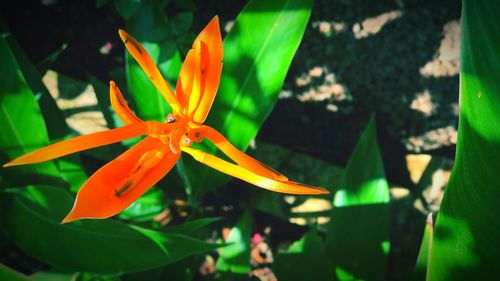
[
  {"x": 80, "y": 143},
  {"x": 120, "y": 106},
  {"x": 240, "y": 157},
  {"x": 205, "y": 60},
  {"x": 148, "y": 65},
  {"x": 236, "y": 171},
  {"x": 120, "y": 182}
]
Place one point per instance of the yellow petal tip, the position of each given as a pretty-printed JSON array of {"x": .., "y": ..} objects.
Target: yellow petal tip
[{"x": 123, "y": 34}]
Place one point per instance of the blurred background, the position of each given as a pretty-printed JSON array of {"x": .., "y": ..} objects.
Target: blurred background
[{"x": 398, "y": 59}]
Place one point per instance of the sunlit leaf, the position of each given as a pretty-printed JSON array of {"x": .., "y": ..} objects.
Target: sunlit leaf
[
  {"x": 465, "y": 245},
  {"x": 23, "y": 128},
  {"x": 358, "y": 232}
]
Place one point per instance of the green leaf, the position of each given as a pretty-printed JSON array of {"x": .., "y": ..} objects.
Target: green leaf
[
  {"x": 23, "y": 128},
  {"x": 358, "y": 231},
  {"x": 127, "y": 8},
  {"x": 54, "y": 276},
  {"x": 191, "y": 226},
  {"x": 97, "y": 246},
  {"x": 181, "y": 23},
  {"x": 54, "y": 119},
  {"x": 235, "y": 257},
  {"x": 102, "y": 94},
  {"x": 146, "y": 207},
  {"x": 363, "y": 181},
  {"x": 465, "y": 245},
  {"x": 257, "y": 54},
  {"x": 7, "y": 273},
  {"x": 422, "y": 264},
  {"x": 149, "y": 27},
  {"x": 304, "y": 258}
]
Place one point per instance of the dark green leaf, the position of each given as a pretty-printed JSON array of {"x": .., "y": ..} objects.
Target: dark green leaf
[
  {"x": 304, "y": 258},
  {"x": 422, "y": 264},
  {"x": 191, "y": 226},
  {"x": 127, "y": 8},
  {"x": 465, "y": 245},
  {"x": 181, "y": 23},
  {"x": 98, "y": 246}
]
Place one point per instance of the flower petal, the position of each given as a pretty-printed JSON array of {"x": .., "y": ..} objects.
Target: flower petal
[
  {"x": 148, "y": 65},
  {"x": 205, "y": 59},
  {"x": 240, "y": 157},
  {"x": 248, "y": 176},
  {"x": 120, "y": 182},
  {"x": 80, "y": 143},
  {"x": 120, "y": 106}
]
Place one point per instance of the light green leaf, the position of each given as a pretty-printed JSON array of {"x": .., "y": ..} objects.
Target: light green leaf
[
  {"x": 23, "y": 128},
  {"x": 465, "y": 245},
  {"x": 363, "y": 181},
  {"x": 97, "y": 246},
  {"x": 235, "y": 257}
]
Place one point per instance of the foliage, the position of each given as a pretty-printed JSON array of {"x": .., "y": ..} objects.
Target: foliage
[{"x": 197, "y": 224}]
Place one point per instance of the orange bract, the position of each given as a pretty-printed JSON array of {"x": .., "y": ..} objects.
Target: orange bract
[{"x": 120, "y": 182}]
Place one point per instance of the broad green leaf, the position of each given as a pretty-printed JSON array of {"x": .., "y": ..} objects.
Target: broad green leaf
[
  {"x": 7, "y": 273},
  {"x": 466, "y": 244},
  {"x": 235, "y": 257},
  {"x": 422, "y": 264},
  {"x": 23, "y": 128},
  {"x": 305, "y": 258},
  {"x": 363, "y": 181},
  {"x": 358, "y": 232},
  {"x": 97, "y": 246},
  {"x": 257, "y": 54}
]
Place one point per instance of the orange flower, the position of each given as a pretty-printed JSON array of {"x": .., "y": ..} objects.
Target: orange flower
[{"x": 120, "y": 182}]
